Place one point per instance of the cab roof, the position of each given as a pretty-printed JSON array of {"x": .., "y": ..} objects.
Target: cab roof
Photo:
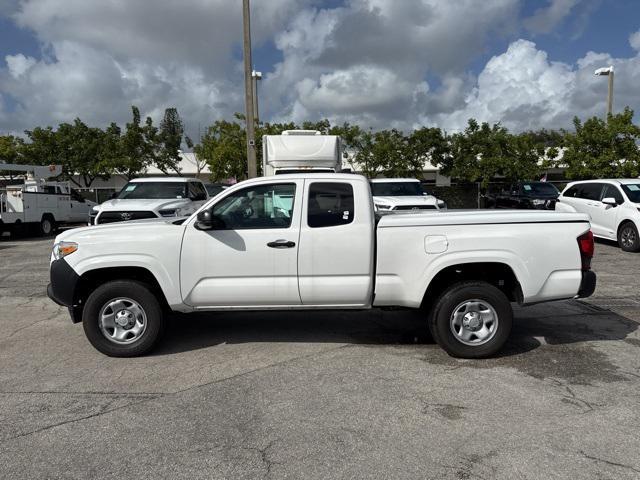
[
  {"x": 622, "y": 181},
  {"x": 395, "y": 180},
  {"x": 165, "y": 179}
]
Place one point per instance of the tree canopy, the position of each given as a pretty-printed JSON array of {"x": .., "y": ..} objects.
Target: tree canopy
[{"x": 483, "y": 152}]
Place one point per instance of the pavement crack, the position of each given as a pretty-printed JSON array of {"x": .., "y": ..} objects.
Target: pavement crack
[
  {"x": 102, "y": 411},
  {"x": 609, "y": 462}
]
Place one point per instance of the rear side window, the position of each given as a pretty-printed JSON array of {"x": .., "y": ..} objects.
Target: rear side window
[
  {"x": 329, "y": 204},
  {"x": 590, "y": 191},
  {"x": 572, "y": 192}
]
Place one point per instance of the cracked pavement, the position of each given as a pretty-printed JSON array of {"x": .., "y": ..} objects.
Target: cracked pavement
[{"x": 321, "y": 394}]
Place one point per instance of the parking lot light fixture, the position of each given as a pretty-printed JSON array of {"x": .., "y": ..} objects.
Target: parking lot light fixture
[{"x": 607, "y": 71}]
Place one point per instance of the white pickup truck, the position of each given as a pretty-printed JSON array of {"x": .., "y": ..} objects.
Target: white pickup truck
[{"x": 309, "y": 241}]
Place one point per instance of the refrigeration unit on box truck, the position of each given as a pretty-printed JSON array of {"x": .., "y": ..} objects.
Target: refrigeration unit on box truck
[{"x": 301, "y": 151}]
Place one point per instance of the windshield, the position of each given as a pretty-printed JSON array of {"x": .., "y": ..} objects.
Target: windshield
[
  {"x": 143, "y": 190},
  {"x": 539, "y": 188},
  {"x": 214, "y": 190},
  {"x": 633, "y": 191},
  {"x": 397, "y": 189}
]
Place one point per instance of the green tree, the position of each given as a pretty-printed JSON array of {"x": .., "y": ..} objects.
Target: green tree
[
  {"x": 170, "y": 139},
  {"x": 137, "y": 147},
  {"x": 426, "y": 145},
  {"x": 484, "y": 152},
  {"x": 223, "y": 146},
  {"x": 603, "y": 149},
  {"x": 384, "y": 153},
  {"x": 10, "y": 148}
]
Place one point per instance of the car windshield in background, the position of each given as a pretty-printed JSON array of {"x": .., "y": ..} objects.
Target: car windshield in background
[
  {"x": 142, "y": 190},
  {"x": 396, "y": 189},
  {"x": 633, "y": 191},
  {"x": 539, "y": 188},
  {"x": 214, "y": 190}
]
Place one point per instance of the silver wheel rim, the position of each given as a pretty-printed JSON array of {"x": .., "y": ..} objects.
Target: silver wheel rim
[
  {"x": 46, "y": 226},
  {"x": 628, "y": 237},
  {"x": 474, "y": 322},
  {"x": 122, "y": 320}
]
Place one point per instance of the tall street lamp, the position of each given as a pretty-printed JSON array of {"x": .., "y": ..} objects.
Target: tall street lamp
[
  {"x": 252, "y": 167},
  {"x": 607, "y": 72}
]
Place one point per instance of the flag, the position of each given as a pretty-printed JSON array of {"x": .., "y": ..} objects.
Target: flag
[{"x": 544, "y": 178}]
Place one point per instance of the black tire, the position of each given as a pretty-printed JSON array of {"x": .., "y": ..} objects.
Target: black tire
[
  {"x": 628, "y": 238},
  {"x": 47, "y": 226},
  {"x": 136, "y": 292},
  {"x": 453, "y": 299}
]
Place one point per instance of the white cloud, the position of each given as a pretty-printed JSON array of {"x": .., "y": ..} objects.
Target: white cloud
[
  {"x": 380, "y": 63},
  {"x": 544, "y": 20},
  {"x": 523, "y": 90},
  {"x": 102, "y": 57},
  {"x": 19, "y": 64}
]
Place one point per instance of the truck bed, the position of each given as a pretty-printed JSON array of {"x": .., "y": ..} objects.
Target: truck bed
[{"x": 540, "y": 248}]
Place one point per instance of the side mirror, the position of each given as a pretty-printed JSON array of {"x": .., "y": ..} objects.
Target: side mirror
[
  {"x": 610, "y": 201},
  {"x": 113, "y": 195},
  {"x": 207, "y": 221}
]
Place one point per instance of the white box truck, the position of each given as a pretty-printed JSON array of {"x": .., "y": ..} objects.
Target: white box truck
[{"x": 301, "y": 151}]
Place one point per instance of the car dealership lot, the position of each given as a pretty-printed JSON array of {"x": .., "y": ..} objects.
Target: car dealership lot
[{"x": 322, "y": 394}]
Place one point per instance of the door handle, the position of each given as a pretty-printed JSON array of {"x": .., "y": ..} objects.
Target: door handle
[{"x": 281, "y": 244}]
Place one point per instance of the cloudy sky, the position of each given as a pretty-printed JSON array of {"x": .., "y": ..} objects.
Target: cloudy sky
[{"x": 379, "y": 63}]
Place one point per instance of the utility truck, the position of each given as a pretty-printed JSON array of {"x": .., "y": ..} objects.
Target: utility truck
[
  {"x": 313, "y": 241},
  {"x": 38, "y": 204}
]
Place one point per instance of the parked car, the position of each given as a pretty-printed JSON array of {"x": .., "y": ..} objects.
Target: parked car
[
  {"x": 312, "y": 241},
  {"x": 214, "y": 189},
  {"x": 526, "y": 195},
  {"x": 152, "y": 198},
  {"x": 402, "y": 194},
  {"x": 613, "y": 205}
]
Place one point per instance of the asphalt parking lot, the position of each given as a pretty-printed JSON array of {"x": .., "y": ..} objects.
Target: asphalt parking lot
[{"x": 323, "y": 394}]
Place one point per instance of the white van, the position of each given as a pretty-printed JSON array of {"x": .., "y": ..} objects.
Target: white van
[{"x": 612, "y": 204}]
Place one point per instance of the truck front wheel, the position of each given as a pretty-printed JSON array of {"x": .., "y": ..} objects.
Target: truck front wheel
[
  {"x": 123, "y": 318},
  {"x": 471, "y": 320}
]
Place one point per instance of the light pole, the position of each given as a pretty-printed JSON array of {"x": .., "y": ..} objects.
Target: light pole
[
  {"x": 252, "y": 168},
  {"x": 256, "y": 76},
  {"x": 609, "y": 73}
]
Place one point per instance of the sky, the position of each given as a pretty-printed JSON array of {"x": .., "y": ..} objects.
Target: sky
[{"x": 379, "y": 63}]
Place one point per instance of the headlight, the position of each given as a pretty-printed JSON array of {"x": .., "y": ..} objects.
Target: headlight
[
  {"x": 169, "y": 212},
  {"x": 62, "y": 249},
  {"x": 383, "y": 207}
]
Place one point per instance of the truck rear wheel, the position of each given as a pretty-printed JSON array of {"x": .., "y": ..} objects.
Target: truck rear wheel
[
  {"x": 471, "y": 320},
  {"x": 123, "y": 318},
  {"x": 47, "y": 225}
]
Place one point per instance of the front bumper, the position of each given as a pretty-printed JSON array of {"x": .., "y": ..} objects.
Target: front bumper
[
  {"x": 62, "y": 287},
  {"x": 587, "y": 285}
]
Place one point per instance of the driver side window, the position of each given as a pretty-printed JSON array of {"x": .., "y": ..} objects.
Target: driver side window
[{"x": 262, "y": 206}]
